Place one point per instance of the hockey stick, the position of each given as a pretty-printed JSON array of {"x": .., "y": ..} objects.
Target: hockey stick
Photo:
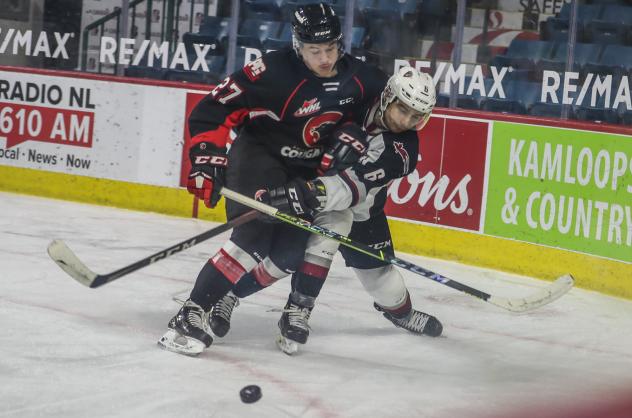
[
  {"x": 542, "y": 297},
  {"x": 70, "y": 263}
]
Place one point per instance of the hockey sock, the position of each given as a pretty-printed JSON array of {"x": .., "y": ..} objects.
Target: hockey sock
[
  {"x": 400, "y": 311},
  {"x": 247, "y": 285},
  {"x": 309, "y": 279},
  {"x": 211, "y": 285},
  {"x": 263, "y": 275}
]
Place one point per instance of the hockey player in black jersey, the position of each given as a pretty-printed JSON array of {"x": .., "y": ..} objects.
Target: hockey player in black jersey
[
  {"x": 351, "y": 202},
  {"x": 285, "y": 105}
]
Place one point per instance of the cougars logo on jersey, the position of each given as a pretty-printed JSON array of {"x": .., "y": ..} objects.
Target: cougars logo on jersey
[{"x": 315, "y": 127}]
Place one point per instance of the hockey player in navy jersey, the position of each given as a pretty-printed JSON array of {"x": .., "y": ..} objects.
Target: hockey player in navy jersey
[
  {"x": 350, "y": 200},
  {"x": 285, "y": 106}
]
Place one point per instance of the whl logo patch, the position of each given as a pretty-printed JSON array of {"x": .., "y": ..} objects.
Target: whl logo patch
[{"x": 309, "y": 107}]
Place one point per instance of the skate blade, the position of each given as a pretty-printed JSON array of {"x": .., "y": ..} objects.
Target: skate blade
[
  {"x": 289, "y": 347},
  {"x": 172, "y": 341}
]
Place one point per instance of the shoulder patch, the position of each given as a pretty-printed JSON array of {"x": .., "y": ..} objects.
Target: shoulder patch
[
  {"x": 254, "y": 69},
  {"x": 400, "y": 150}
]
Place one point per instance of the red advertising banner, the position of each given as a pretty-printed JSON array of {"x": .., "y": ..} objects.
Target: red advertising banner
[
  {"x": 447, "y": 186},
  {"x": 20, "y": 122}
]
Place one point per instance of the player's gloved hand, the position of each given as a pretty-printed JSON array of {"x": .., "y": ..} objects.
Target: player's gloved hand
[
  {"x": 350, "y": 143},
  {"x": 298, "y": 197},
  {"x": 208, "y": 167}
]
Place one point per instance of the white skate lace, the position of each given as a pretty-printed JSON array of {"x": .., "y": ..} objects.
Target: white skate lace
[
  {"x": 298, "y": 317},
  {"x": 224, "y": 308},
  {"x": 416, "y": 322},
  {"x": 194, "y": 314}
]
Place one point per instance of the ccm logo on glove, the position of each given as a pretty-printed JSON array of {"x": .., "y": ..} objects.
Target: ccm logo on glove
[{"x": 211, "y": 159}]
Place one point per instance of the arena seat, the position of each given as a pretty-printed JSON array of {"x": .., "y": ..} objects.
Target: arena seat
[
  {"x": 283, "y": 39},
  {"x": 582, "y": 54},
  {"x": 524, "y": 54},
  {"x": 267, "y": 10},
  {"x": 615, "y": 60},
  {"x": 253, "y": 33}
]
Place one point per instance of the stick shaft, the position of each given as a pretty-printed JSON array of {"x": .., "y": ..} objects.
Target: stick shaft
[{"x": 522, "y": 304}]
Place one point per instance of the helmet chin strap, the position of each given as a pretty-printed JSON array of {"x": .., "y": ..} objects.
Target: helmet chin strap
[{"x": 379, "y": 118}]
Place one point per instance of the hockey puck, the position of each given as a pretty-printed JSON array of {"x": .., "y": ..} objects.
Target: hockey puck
[{"x": 250, "y": 394}]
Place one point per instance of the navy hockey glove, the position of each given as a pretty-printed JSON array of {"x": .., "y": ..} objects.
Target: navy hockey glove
[
  {"x": 208, "y": 167},
  {"x": 350, "y": 143},
  {"x": 298, "y": 197}
]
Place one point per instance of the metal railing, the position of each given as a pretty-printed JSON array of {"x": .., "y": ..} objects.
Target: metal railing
[{"x": 100, "y": 24}]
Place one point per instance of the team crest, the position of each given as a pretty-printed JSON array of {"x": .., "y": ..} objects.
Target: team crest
[
  {"x": 401, "y": 151},
  {"x": 309, "y": 107}
]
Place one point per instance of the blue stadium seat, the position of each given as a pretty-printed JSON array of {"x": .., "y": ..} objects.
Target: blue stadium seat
[
  {"x": 253, "y": 33},
  {"x": 582, "y": 54},
  {"x": 217, "y": 43},
  {"x": 261, "y": 9},
  {"x": 612, "y": 26},
  {"x": 615, "y": 60},
  {"x": 283, "y": 39},
  {"x": 520, "y": 97},
  {"x": 215, "y": 26},
  {"x": 616, "y": 14},
  {"x": 524, "y": 54},
  {"x": 556, "y": 28}
]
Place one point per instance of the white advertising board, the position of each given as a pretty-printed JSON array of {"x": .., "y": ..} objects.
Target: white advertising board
[{"x": 92, "y": 127}]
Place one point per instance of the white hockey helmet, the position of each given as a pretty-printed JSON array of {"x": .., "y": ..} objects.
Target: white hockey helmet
[{"x": 413, "y": 88}]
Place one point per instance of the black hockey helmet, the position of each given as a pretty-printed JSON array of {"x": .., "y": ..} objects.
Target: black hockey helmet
[{"x": 314, "y": 24}]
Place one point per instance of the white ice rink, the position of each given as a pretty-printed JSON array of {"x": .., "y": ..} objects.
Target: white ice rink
[{"x": 70, "y": 351}]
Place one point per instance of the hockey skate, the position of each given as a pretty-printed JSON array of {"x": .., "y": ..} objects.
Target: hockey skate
[
  {"x": 187, "y": 334},
  {"x": 219, "y": 319},
  {"x": 416, "y": 322},
  {"x": 293, "y": 326}
]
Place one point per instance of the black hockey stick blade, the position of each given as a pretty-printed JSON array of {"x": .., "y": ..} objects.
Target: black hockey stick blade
[
  {"x": 71, "y": 264},
  {"x": 522, "y": 304}
]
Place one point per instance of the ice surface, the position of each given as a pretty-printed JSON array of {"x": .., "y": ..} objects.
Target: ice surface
[{"x": 67, "y": 350}]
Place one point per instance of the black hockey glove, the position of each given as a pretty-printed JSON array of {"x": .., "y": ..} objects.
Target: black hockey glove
[
  {"x": 298, "y": 197},
  {"x": 208, "y": 167},
  {"x": 350, "y": 143}
]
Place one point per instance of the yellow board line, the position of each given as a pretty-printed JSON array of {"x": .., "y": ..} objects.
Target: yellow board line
[
  {"x": 115, "y": 193},
  {"x": 594, "y": 273}
]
